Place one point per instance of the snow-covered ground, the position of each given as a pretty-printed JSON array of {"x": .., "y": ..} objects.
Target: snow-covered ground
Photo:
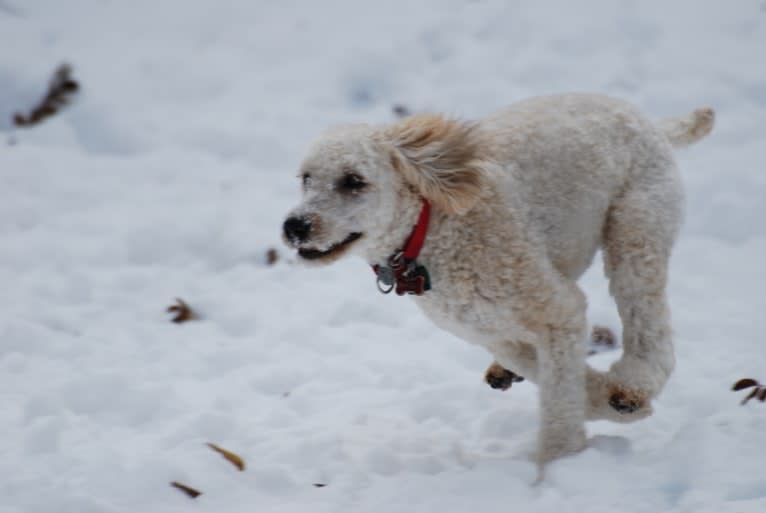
[{"x": 170, "y": 177}]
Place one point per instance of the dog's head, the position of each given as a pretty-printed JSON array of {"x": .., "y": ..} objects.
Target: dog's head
[{"x": 362, "y": 185}]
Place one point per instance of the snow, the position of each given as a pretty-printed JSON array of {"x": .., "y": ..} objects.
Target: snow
[{"x": 170, "y": 176}]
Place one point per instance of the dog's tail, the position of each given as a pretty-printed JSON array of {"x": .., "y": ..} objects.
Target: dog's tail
[{"x": 689, "y": 129}]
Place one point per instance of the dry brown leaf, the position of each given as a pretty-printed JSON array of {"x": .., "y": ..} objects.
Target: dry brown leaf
[
  {"x": 61, "y": 90},
  {"x": 188, "y": 490},
  {"x": 232, "y": 458},
  {"x": 744, "y": 383},
  {"x": 183, "y": 312},
  {"x": 758, "y": 392},
  {"x": 401, "y": 111},
  {"x": 750, "y": 395},
  {"x": 272, "y": 256}
]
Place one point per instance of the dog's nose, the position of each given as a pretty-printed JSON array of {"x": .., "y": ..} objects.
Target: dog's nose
[{"x": 297, "y": 229}]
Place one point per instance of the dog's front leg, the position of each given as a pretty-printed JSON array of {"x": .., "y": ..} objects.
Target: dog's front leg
[{"x": 561, "y": 378}]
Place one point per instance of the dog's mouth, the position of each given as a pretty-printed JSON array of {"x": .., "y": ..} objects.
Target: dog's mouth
[{"x": 334, "y": 250}]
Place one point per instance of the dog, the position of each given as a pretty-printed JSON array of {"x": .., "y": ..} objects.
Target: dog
[{"x": 489, "y": 224}]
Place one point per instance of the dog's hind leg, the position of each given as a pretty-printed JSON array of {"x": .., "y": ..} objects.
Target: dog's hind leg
[{"x": 638, "y": 237}]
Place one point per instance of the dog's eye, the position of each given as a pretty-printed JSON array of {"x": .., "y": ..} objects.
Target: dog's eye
[
  {"x": 306, "y": 179},
  {"x": 351, "y": 182}
]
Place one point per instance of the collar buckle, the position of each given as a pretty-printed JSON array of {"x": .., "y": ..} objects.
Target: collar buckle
[{"x": 402, "y": 272}]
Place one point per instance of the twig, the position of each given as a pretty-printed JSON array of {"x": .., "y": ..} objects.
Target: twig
[
  {"x": 232, "y": 458},
  {"x": 188, "y": 490}
]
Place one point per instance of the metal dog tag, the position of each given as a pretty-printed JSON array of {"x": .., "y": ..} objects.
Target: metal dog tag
[{"x": 385, "y": 279}]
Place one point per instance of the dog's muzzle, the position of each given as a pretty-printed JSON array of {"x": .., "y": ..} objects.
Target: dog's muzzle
[{"x": 314, "y": 254}]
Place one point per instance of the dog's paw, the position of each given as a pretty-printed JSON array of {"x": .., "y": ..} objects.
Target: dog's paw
[
  {"x": 500, "y": 378},
  {"x": 612, "y": 400},
  {"x": 625, "y": 403},
  {"x": 602, "y": 339}
]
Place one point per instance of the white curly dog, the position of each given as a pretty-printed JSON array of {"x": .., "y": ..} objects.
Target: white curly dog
[{"x": 490, "y": 223}]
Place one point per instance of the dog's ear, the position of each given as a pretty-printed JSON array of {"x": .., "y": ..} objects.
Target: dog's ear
[{"x": 438, "y": 156}]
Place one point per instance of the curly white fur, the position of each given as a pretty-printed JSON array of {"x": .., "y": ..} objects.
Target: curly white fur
[{"x": 522, "y": 202}]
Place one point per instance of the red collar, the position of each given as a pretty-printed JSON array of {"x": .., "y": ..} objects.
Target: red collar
[
  {"x": 418, "y": 235},
  {"x": 403, "y": 272}
]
